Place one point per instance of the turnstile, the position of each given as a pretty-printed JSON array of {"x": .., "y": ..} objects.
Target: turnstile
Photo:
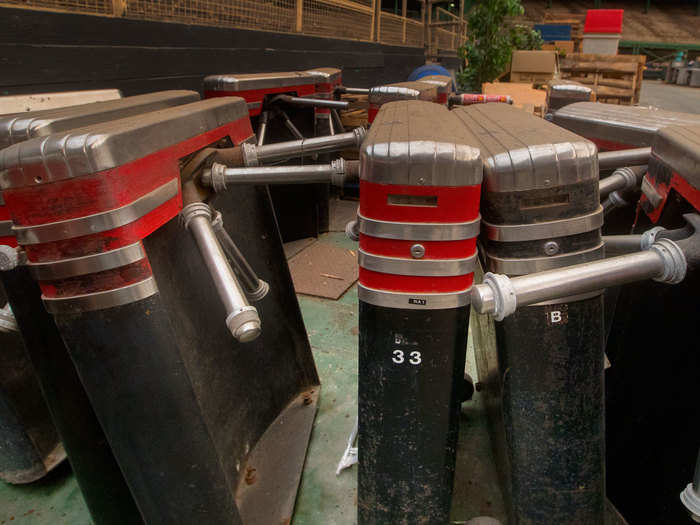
[
  {"x": 614, "y": 127},
  {"x": 293, "y": 104},
  {"x": 97, "y": 473},
  {"x": 544, "y": 385},
  {"x": 198, "y": 427},
  {"x": 652, "y": 347},
  {"x": 420, "y": 184}
]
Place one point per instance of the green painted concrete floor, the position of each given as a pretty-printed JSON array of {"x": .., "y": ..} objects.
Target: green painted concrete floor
[{"x": 324, "y": 498}]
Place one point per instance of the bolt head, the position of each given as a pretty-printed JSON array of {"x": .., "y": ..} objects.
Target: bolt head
[
  {"x": 417, "y": 251},
  {"x": 551, "y": 248}
]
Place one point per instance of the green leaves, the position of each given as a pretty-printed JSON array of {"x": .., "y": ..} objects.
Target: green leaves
[{"x": 490, "y": 41}]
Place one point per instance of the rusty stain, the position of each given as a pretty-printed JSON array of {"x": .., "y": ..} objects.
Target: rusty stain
[{"x": 250, "y": 475}]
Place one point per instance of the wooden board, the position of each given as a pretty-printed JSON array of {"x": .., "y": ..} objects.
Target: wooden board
[{"x": 356, "y": 114}]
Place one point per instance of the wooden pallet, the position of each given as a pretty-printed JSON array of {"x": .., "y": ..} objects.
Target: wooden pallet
[
  {"x": 615, "y": 78},
  {"x": 356, "y": 114}
]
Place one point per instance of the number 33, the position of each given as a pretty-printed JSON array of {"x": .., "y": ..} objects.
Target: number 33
[{"x": 414, "y": 357}]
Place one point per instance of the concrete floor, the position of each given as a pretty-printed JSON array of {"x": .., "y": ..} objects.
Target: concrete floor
[{"x": 669, "y": 96}]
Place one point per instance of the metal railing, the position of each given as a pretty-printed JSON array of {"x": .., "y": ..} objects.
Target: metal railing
[{"x": 356, "y": 19}]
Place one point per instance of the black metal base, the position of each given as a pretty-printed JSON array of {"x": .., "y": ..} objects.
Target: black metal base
[
  {"x": 101, "y": 481},
  {"x": 411, "y": 373},
  {"x": 544, "y": 389}
]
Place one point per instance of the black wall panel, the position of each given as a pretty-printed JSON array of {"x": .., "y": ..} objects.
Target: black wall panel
[{"x": 44, "y": 51}]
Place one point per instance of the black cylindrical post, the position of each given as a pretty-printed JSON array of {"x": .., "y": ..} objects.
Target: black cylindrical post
[
  {"x": 418, "y": 231},
  {"x": 548, "y": 370},
  {"x": 101, "y": 481}
]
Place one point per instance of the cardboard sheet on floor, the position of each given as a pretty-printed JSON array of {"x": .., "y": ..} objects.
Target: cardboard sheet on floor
[
  {"x": 324, "y": 270},
  {"x": 292, "y": 248}
]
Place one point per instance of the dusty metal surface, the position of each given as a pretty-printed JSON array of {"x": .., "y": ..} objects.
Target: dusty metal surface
[
  {"x": 23, "y": 126},
  {"x": 267, "y": 487},
  {"x": 628, "y": 125},
  {"x": 404, "y": 146},
  {"x": 110, "y": 144},
  {"x": 522, "y": 152},
  {"x": 679, "y": 148}
]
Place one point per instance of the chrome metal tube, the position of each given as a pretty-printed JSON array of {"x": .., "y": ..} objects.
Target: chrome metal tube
[
  {"x": 338, "y": 121},
  {"x": 290, "y": 126},
  {"x": 501, "y": 295},
  {"x": 280, "y": 174},
  {"x": 313, "y": 102},
  {"x": 625, "y": 157},
  {"x": 255, "y": 288},
  {"x": 8, "y": 323},
  {"x": 241, "y": 318},
  {"x": 622, "y": 179},
  {"x": 220, "y": 177},
  {"x": 622, "y": 243},
  {"x": 615, "y": 200},
  {"x": 262, "y": 127},
  {"x": 352, "y": 91},
  {"x": 304, "y": 147}
]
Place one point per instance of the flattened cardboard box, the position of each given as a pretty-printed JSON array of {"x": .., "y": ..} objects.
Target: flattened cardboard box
[{"x": 533, "y": 66}]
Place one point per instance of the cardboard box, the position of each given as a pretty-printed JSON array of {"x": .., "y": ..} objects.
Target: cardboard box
[
  {"x": 524, "y": 95},
  {"x": 534, "y": 66}
]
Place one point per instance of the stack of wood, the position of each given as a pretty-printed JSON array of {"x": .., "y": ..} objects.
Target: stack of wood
[
  {"x": 356, "y": 114},
  {"x": 576, "y": 21},
  {"x": 616, "y": 79}
]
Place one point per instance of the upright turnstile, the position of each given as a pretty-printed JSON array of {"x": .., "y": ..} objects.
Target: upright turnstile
[
  {"x": 541, "y": 211},
  {"x": 197, "y": 425},
  {"x": 256, "y": 88},
  {"x": 419, "y": 217},
  {"x": 653, "y": 345},
  {"x": 293, "y": 104}
]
